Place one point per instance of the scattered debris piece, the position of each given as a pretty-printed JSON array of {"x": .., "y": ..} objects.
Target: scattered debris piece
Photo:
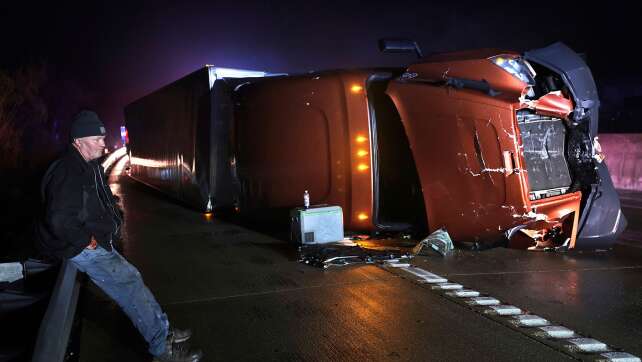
[
  {"x": 359, "y": 237},
  {"x": 340, "y": 254},
  {"x": 438, "y": 241},
  {"x": 10, "y": 272}
]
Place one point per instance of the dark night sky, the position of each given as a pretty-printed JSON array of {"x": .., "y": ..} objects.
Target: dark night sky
[{"x": 114, "y": 53}]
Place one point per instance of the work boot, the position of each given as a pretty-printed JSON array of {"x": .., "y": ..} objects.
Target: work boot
[
  {"x": 178, "y": 353},
  {"x": 179, "y": 335}
]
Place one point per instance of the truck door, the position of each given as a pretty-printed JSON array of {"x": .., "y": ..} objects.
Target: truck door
[{"x": 465, "y": 148}]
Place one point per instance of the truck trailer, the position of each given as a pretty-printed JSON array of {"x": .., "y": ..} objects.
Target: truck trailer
[{"x": 496, "y": 147}]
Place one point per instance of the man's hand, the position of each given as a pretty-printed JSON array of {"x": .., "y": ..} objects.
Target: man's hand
[{"x": 92, "y": 244}]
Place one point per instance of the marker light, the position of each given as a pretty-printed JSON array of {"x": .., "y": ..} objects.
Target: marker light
[
  {"x": 362, "y": 216},
  {"x": 356, "y": 88},
  {"x": 362, "y": 167},
  {"x": 517, "y": 67},
  {"x": 362, "y": 153},
  {"x": 361, "y": 139}
]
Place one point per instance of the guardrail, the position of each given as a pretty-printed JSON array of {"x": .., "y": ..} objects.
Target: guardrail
[{"x": 55, "y": 328}]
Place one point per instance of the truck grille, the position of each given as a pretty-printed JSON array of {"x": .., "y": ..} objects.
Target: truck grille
[{"x": 544, "y": 140}]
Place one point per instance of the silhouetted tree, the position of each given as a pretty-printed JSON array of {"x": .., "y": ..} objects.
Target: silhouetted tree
[
  {"x": 9, "y": 133},
  {"x": 25, "y": 135},
  {"x": 26, "y": 147}
]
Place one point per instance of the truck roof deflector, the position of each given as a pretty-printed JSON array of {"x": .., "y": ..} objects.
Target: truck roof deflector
[{"x": 399, "y": 46}]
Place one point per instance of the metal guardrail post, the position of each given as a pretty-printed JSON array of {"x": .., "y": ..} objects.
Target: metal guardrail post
[{"x": 55, "y": 328}]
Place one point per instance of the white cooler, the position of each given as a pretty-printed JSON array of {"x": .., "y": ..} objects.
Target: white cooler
[{"x": 317, "y": 224}]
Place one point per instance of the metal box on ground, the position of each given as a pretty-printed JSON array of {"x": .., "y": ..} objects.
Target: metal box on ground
[{"x": 317, "y": 224}]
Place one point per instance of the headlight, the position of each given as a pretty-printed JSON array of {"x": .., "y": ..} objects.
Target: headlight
[{"x": 518, "y": 67}]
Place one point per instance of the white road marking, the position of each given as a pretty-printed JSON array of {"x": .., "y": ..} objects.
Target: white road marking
[
  {"x": 505, "y": 310},
  {"x": 464, "y": 293},
  {"x": 557, "y": 332},
  {"x": 483, "y": 301},
  {"x": 587, "y": 345},
  {"x": 397, "y": 265},
  {"x": 447, "y": 286},
  {"x": 619, "y": 357},
  {"x": 426, "y": 276},
  {"x": 530, "y": 320},
  {"x": 574, "y": 342}
]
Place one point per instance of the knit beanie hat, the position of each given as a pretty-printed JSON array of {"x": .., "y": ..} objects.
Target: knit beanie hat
[{"x": 85, "y": 124}]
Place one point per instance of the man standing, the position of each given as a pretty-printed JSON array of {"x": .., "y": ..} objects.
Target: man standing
[{"x": 81, "y": 221}]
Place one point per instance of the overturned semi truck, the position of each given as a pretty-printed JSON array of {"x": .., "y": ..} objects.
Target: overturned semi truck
[{"x": 494, "y": 146}]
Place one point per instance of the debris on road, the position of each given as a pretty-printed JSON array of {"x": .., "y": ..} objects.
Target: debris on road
[
  {"x": 438, "y": 241},
  {"x": 10, "y": 272},
  {"x": 346, "y": 253}
]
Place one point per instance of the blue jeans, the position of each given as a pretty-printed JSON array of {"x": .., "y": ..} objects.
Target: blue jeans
[{"x": 124, "y": 284}]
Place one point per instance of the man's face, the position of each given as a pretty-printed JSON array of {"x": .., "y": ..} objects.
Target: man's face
[{"x": 91, "y": 147}]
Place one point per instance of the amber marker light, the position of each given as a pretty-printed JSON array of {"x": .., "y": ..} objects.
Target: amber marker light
[
  {"x": 361, "y": 139},
  {"x": 362, "y": 216},
  {"x": 362, "y": 153},
  {"x": 209, "y": 216},
  {"x": 362, "y": 167},
  {"x": 356, "y": 88}
]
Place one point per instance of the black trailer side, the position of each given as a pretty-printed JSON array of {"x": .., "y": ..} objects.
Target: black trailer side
[{"x": 179, "y": 138}]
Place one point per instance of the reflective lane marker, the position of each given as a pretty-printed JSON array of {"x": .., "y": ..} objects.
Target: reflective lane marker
[
  {"x": 587, "y": 345},
  {"x": 426, "y": 276},
  {"x": 557, "y": 332},
  {"x": 505, "y": 310},
  {"x": 618, "y": 357},
  {"x": 398, "y": 265},
  {"x": 530, "y": 320},
  {"x": 566, "y": 340},
  {"x": 447, "y": 286},
  {"x": 483, "y": 301},
  {"x": 464, "y": 293}
]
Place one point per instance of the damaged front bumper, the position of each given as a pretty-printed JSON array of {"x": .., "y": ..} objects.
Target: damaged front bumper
[{"x": 552, "y": 224}]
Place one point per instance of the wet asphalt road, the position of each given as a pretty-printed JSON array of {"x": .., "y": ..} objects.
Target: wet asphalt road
[{"x": 247, "y": 298}]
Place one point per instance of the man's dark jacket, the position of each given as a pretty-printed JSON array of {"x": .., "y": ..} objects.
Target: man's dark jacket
[{"x": 78, "y": 205}]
